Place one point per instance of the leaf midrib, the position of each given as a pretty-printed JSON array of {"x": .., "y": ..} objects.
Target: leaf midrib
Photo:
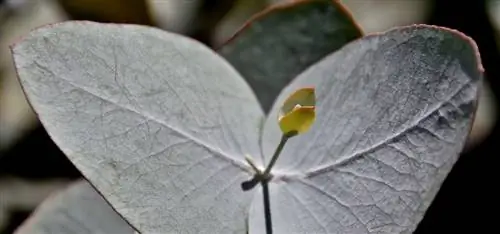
[
  {"x": 355, "y": 155},
  {"x": 198, "y": 141}
]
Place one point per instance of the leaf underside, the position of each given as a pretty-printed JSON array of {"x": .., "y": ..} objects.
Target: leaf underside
[
  {"x": 160, "y": 125},
  {"x": 77, "y": 209},
  {"x": 157, "y": 122},
  {"x": 393, "y": 112}
]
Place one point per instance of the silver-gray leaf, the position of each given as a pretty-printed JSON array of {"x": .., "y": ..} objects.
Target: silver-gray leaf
[
  {"x": 156, "y": 121},
  {"x": 394, "y": 110},
  {"x": 77, "y": 209}
]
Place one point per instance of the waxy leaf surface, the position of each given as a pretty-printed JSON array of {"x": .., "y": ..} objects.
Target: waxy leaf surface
[
  {"x": 77, "y": 209},
  {"x": 156, "y": 121},
  {"x": 160, "y": 125},
  {"x": 278, "y": 44},
  {"x": 393, "y": 111}
]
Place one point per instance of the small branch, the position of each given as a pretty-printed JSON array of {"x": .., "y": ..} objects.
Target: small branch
[
  {"x": 252, "y": 164},
  {"x": 284, "y": 139}
]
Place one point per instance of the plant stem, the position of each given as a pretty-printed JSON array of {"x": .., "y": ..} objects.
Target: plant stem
[
  {"x": 284, "y": 138},
  {"x": 267, "y": 207},
  {"x": 264, "y": 179}
]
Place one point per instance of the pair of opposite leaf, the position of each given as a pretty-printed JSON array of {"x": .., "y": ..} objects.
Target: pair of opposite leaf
[{"x": 160, "y": 124}]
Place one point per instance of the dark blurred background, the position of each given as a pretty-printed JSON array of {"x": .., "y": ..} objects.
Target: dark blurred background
[{"x": 32, "y": 167}]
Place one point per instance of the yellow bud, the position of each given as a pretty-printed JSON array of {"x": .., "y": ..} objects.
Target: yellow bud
[{"x": 298, "y": 112}]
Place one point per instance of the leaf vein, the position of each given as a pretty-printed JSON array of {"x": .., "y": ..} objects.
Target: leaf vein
[
  {"x": 217, "y": 152},
  {"x": 350, "y": 158}
]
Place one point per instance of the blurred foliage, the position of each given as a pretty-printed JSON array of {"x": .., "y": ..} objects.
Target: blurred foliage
[
  {"x": 235, "y": 18},
  {"x": 209, "y": 15},
  {"x": 20, "y": 16},
  {"x": 115, "y": 11}
]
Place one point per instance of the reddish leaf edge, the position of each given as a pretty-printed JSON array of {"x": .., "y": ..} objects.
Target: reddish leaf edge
[
  {"x": 461, "y": 35},
  {"x": 479, "y": 67},
  {"x": 285, "y": 6},
  {"x": 455, "y": 32}
]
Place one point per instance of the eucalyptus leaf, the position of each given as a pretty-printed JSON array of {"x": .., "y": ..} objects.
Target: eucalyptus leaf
[
  {"x": 161, "y": 125},
  {"x": 77, "y": 209},
  {"x": 393, "y": 113},
  {"x": 156, "y": 121},
  {"x": 281, "y": 42}
]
